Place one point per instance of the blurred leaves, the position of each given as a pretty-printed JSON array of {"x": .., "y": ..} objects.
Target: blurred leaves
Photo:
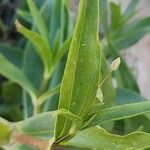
[
  {"x": 16, "y": 75},
  {"x": 5, "y": 131}
]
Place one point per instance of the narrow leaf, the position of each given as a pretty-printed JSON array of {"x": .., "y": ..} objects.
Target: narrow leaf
[
  {"x": 120, "y": 112},
  {"x": 11, "y": 72},
  {"x": 130, "y": 11},
  {"x": 125, "y": 96},
  {"x": 41, "y": 46},
  {"x": 115, "y": 15},
  {"x": 39, "y": 22},
  {"x": 131, "y": 33}
]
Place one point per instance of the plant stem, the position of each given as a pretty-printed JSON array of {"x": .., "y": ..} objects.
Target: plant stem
[
  {"x": 43, "y": 85},
  {"x": 36, "y": 106},
  {"x": 36, "y": 109},
  {"x": 48, "y": 94}
]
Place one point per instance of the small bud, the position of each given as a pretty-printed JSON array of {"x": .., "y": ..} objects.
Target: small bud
[
  {"x": 115, "y": 64},
  {"x": 18, "y": 25}
]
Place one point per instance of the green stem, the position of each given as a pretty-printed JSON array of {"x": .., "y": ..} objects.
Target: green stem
[
  {"x": 36, "y": 106},
  {"x": 48, "y": 94},
  {"x": 43, "y": 85}
]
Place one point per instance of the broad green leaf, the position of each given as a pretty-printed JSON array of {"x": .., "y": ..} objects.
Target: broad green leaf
[
  {"x": 5, "y": 131},
  {"x": 82, "y": 72},
  {"x": 14, "y": 55},
  {"x": 41, "y": 125},
  {"x": 97, "y": 138},
  {"x": 14, "y": 74},
  {"x": 120, "y": 112},
  {"x": 38, "y": 19},
  {"x": 41, "y": 46},
  {"x": 125, "y": 96},
  {"x": 62, "y": 147}
]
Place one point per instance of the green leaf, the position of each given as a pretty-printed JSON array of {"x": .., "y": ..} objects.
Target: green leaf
[
  {"x": 56, "y": 19},
  {"x": 97, "y": 138},
  {"x": 77, "y": 121},
  {"x": 131, "y": 33},
  {"x": 120, "y": 112},
  {"x": 125, "y": 96},
  {"x": 25, "y": 16},
  {"x": 140, "y": 123},
  {"x": 115, "y": 15},
  {"x": 34, "y": 69},
  {"x": 39, "y": 22},
  {"x": 103, "y": 15},
  {"x": 82, "y": 72},
  {"x": 11, "y": 72},
  {"x": 60, "y": 53},
  {"x": 130, "y": 11},
  {"x": 41, "y": 125},
  {"x": 36, "y": 73},
  {"x": 10, "y": 111},
  {"x": 8, "y": 93},
  {"x": 5, "y": 131},
  {"x": 14, "y": 55},
  {"x": 41, "y": 46}
]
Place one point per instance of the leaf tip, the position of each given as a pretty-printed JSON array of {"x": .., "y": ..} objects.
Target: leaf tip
[
  {"x": 115, "y": 64},
  {"x": 18, "y": 25}
]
